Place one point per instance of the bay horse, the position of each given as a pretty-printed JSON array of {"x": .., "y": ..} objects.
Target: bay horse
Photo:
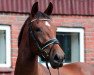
[{"x": 38, "y": 38}]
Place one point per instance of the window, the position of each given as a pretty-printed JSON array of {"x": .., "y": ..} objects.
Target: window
[
  {"x": 72, "y": 42},
  {"x": 5, "y": 46}
]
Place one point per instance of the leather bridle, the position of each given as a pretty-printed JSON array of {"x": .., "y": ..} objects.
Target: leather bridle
[{"x": 41, "y": 49}]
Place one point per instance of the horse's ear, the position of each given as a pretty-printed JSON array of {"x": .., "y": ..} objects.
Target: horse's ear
[
  {"x": 49, "y": 9},
  {"x": 34, "y": 9}
]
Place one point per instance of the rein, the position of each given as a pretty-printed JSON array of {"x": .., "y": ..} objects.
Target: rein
[{"x": 41, "y": 50}]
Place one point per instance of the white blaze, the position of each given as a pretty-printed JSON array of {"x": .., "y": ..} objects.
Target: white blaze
[{"x": 47, "y": 23}]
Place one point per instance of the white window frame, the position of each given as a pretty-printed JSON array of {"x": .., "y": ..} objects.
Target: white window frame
[
  {"x": 81, "y": 37},
  {"x": 8, "y": 46}
]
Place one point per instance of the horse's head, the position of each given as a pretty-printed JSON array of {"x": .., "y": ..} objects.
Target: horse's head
[{"x": 43, "y": 33}]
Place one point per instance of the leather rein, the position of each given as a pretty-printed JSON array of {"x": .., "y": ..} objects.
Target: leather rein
[{"x": 41, "y": 49}]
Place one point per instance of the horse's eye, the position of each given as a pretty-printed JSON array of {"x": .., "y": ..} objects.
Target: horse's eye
[{"x": 37, "y": 30}]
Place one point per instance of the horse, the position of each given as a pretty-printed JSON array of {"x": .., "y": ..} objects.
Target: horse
[{"x": 38, "y": 38}]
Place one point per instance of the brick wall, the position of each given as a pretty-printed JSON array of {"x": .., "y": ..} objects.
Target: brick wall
[{"x": 16, "y": 21}]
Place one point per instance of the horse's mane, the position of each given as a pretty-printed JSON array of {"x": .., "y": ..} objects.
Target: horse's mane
[
  {"x": 39, "y": 15},
  {"x": 21, "y": 32}
]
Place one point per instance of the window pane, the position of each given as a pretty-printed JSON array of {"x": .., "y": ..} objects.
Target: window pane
[
  {"x": 70, "y": 44},
  {"x": 2, "y": 47}
]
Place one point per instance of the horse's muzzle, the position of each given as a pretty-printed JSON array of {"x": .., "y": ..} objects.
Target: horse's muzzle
[{"x": 56, "y": 61}]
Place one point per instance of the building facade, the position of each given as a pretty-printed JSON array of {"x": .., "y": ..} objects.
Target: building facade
[{"x": 75, "y": 30}]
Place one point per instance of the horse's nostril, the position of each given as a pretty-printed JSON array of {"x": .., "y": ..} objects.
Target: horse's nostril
[{"x": 56, "y": 58}]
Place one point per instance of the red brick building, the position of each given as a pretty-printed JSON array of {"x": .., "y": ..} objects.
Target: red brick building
[{"x": 74, "y": 20}]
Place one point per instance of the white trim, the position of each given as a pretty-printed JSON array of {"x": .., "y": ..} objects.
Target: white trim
[
  {"x": 8, "y": 46},
  {"x": 79, "y": 30}
]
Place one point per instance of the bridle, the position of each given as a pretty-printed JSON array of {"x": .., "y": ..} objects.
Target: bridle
[
  {"x": 37, "y": 43},
  {"x": 41, "y": 49}
]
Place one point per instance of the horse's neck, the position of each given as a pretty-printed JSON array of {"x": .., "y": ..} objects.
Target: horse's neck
[
  {"x": 26, "y": 64},
  {"x": 26, "y": 67}
]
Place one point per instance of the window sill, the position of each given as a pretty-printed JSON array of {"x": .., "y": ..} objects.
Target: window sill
[{"x": 6, "y": 70}]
